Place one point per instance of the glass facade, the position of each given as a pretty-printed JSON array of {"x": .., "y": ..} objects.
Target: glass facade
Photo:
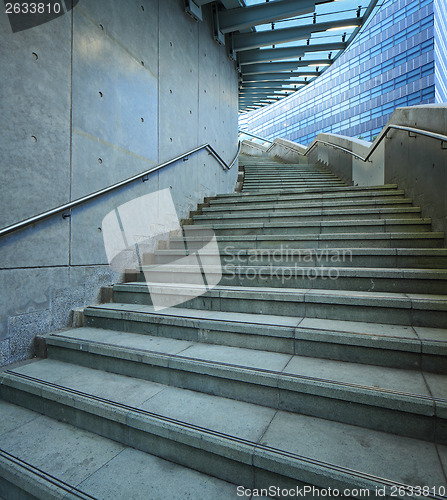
[
  {"x": 440, "y": 12},
  {"x": 390, "y": 64}
]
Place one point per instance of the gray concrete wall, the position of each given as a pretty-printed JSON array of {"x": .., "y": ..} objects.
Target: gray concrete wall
[
  {"x": 416, "y": 163},
  {"x": 350, "y": 169},
  {"x": 94, "y": 96}
]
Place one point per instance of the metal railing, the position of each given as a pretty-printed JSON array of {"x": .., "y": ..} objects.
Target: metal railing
[
  {"x": 142, "y": 175},
  {"x": 427, "y": 133},
  {"x": 242, "y": 132}
]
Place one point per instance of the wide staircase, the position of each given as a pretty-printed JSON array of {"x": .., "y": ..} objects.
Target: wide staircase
[{"x": 319, "y": 360}]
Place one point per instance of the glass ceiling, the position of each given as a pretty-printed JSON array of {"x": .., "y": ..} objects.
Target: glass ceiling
[{"x": 279, "y": 59}]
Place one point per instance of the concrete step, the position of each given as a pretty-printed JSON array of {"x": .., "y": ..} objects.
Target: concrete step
[
  {"x": 298, "y": 176},
  {"x": 252, "y": 176},
  {"x": 426, "y": 258},
  {"x": 282, "y": 194},
  {"x": 335, "y": 277},
  {"x": 262, "y": 186},
  {"x": 363, "y": 341},
  {"x": 228, "y": 439},
  {"x": 284, "y": 171},
  {"x": 44, "y": 458},
  {"x": 298, "y": 216},
  {"x": 284, "y": 185},
  {"x": 391, "y": 308},
  {"x": 330, "y": 226},
  {"x": 388, "y": 399},
  {"x": 268, "y": 168},
  {"x": 424, "y": 239},
  {"x": 307, "y": 201},
  {"x": 299, "y": 206},
  {"x": 289, "y": 185},
  {"x": 289, "y": 177}
]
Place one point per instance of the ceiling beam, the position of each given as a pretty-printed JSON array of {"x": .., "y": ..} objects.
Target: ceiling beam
[
  {"x": 253, "y": 15},
  {"x": 263, "y": 92},
  {"x": 266, "y": 55},
  {"x": 253, "y": 40},
  {"x": 269, "y": 89},
  {"x": 260, "y": 100},
  {"x": 271, "y": 83},
  {"x": 284, "y": 75},
  {"x": 252, "y": 69}
]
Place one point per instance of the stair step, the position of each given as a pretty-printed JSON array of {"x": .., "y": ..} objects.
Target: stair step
[
  {"x": 399, "y": 345},
  {"x": 286, "y": 173},
  {"x": 287, "y": 177},
  {"x": 227, "y": 439},
  {"x": 31, "y": 464},
  {"x": 391, "y": 308},
  {"x": 335, "y": 277},
  {"x": 414, "y": 239},
  {"x": 388, "y": 399},
  {"x": 297, "y": 215},
  {"x": 302, "y": 178},
  {"x": 282, "y": 194},
  {"x": 426, "y": 258},
  {"x": 308, "y": 201},
  {"x": 290, "y": 179},
  {"x": 291, "y": 185},
  {"x": 313, "y": 226},
  {"x": 300, "y": 206}
]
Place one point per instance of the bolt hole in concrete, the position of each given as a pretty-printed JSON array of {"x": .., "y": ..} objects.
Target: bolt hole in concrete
[
  {"x": 170, "y": 44},
  {"x": 170, "y": 91},
  {"x": 102, "y": 27},
  {"x": 142, "y": 63},
  {"x": 99, "y": 229},
  {"x": 100, "y": 161},
  {"x": 170, "y": 139},
  {"x": 142, "y": 8},
  {"x": 142, "y": 120},
  {"x": 34, "y": 138},
  {"x": 35, "y": 56},
  {"x": 100, "y": 94}
]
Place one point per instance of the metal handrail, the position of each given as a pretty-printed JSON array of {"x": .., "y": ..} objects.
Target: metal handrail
[
  {"x": 254, "y": 135},
  {"x": 336, "y": 147},
  {"x": 141, "y": 175},
  {"x": 427, "y": 133},
  {"x": 419, "y": 131},
  {"x": 274, "y": 144}
]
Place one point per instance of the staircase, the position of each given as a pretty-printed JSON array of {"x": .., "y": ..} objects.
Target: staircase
[{"x": 319, "y": 360}]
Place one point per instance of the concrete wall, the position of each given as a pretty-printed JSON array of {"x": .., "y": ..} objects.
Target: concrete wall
[
  {"x": 94, "y": 96},
  {"x": 350, "y": 169},
  {"x": 416, "y": 163}
]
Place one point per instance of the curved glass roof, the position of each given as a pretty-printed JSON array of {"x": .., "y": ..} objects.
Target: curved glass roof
[
  {"x": 282, "y": 45},
  {"x": 299, "y": 41}
]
